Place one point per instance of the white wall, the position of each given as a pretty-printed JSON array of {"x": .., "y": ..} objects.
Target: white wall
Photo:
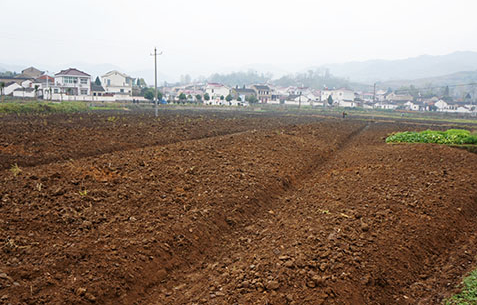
[
  {"x": 60, "y": 82},
  {"x": 217, "y": 91},
  {"x": 9, "y": 90},
  {"x": 24, "y": 94},
  {"x": 89, "y": 98},
  {"x": 116, "y": 83}
]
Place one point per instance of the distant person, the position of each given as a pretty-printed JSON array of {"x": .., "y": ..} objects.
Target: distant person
[{"x": 344, "y": 114}]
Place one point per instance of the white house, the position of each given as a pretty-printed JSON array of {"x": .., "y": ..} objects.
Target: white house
[
  {"x": 445, "y": 107},
  {"x": 325, "y": 93},
  {"x": 411, "y": 106},
  {"x": 72, "y": 82},
  {"x": 347, "y": 103},
  {"x": 338, "y": 96},
  {"x": 215, "y": 90},
  {"x": 25, "y": 92},
  {"x": 343, "y": 94},
  {"x": 399, "y": 97},
  {"x": 117, "y": 82},
  {"x": 441, "y": 105},
  {"x": 27, "y": 83},
  {"x": 10, "y": 87},
  {"x": 386, "y": 105}
]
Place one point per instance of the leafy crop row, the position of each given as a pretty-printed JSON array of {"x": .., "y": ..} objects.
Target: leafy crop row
[{"x": 451, "y": 136}]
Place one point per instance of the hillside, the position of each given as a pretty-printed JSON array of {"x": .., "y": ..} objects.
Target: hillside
[
  {"x": 420, "y": 67},
  {"x": 459, "y": 78}
]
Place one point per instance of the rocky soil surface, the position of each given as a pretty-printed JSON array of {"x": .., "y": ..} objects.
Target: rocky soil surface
[{"x": 249, "y": 210}]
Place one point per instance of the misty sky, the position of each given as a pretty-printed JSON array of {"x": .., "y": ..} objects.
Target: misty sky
[{"x": 201, "y": 37}]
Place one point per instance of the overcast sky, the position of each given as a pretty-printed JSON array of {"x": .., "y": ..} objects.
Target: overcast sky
[{"x": 200, "y": 37}]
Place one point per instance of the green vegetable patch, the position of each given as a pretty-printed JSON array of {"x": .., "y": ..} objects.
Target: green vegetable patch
[{"x": 449, "y": 137}]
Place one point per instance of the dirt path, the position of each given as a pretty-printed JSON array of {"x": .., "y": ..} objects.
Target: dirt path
[{"x": 363, "y": 227}]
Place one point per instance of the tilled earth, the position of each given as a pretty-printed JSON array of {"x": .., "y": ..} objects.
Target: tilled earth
[{"x": 252, "y": 209}]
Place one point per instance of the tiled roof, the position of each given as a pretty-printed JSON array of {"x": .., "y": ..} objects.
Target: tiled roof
[{"x": 72, "y": 71}]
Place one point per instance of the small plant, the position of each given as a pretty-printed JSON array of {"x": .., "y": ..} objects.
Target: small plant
[
  {"x": 39, "y": 186},
  {"x": 15, "y": 169},
  {"x": 468, "y": 295},
  {"x": 83, "y": 193},
  {"x": 112, "y": 119}
]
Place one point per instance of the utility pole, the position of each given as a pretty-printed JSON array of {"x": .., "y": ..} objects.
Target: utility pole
[
  {"x": 374, "y": 94},
  {"x": 46, "y": 73},
  {"x": 155, "y": 79},
  {"x": 472, "y": 100}
]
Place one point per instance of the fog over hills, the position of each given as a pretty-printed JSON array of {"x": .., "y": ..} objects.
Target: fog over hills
[
  {"x": 454, "y": 68},
  {"x": 405, "y": 69}
]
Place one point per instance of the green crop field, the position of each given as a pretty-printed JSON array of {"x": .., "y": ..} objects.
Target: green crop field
[{"x": 449, "y": 137}]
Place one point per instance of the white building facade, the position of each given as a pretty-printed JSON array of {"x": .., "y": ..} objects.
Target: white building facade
[
  {"x": 72, "y": 82},
  {"x": 117, "y": 82},
  {"x": 215, "y": 90}
]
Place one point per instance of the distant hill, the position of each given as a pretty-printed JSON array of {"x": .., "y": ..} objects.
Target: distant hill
[
  {"x": 11, "y": 68},
  {"x": 420, "y": 67},
  {"x": 459, "y": 78}
]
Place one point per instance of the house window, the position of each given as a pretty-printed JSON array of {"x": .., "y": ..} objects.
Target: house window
[
  {"x": 121, "y": 90},
  {"x": 84, "y": 91},
  {"x": 109, "y": 82},
  {"x": 56, "y": 91},
  {"x": 84, "y": 81},
  {"x": 70, "y": 80}
]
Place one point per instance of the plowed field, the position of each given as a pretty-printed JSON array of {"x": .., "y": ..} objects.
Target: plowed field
[{"x": 215, "y": 208}]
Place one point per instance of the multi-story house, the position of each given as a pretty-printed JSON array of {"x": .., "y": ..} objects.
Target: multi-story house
[
  {"x": 264, "y": 93},
  {"x": 117, "y": 82},
  {"x": 72, "y": 82},
  {"x": 30, "y": 72},
  {"x": 394, "y": 97},
  {"x": 215, "y": 90},
  {"x": 339, "y": 96},
  {"x": 242, "y": 93}
]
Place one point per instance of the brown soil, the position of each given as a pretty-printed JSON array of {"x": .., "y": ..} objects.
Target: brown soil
[
  {"x": 29, "y": 140},
  {"x": 252, "y": 209}
]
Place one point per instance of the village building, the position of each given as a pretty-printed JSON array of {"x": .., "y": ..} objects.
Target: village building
[
  {"x": 117, "y": 83},
  {"x": 394, "y": 97},
  {"x": 97, "y": 90},
  {"x": 30, "y": 72},
  {"x": 25, "y": 93},
  {"x": 10, "y": 87},
  {"x": 242, "y": 93},
  {"x": 72, "y": 82},
  {"x": 215, "y": 90},
  {"x": 263, "y": 92}
]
